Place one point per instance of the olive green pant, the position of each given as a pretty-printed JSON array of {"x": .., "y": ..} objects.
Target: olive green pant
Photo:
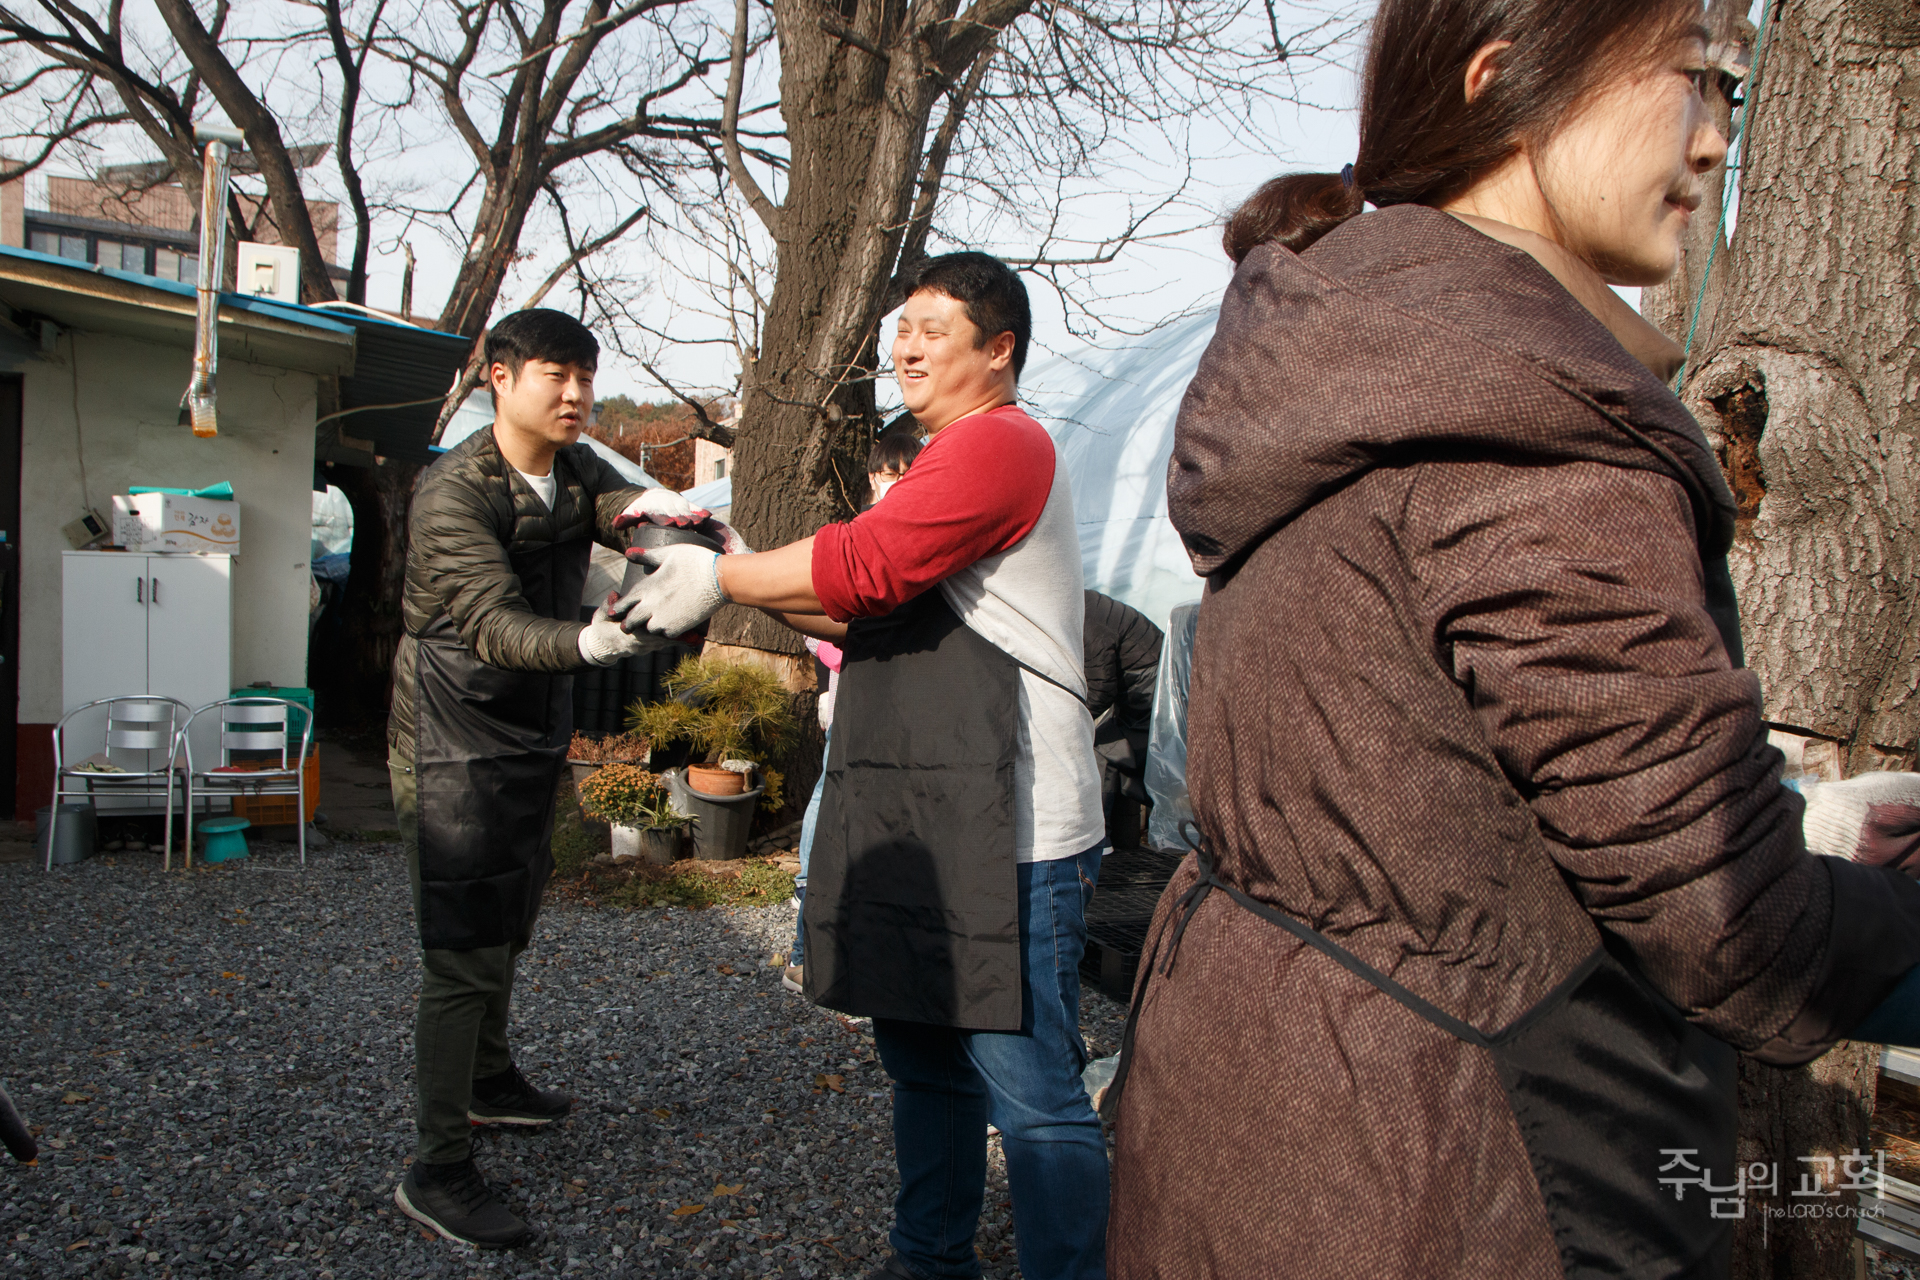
[{"x": 460, "y": 1026}]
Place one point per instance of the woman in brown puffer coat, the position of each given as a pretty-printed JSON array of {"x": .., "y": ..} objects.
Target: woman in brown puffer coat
[{"x": 1498, "y": 872}]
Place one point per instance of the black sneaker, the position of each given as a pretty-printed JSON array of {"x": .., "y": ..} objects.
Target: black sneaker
[
  {"x": 456, "y": 1201},
  {"x": 508, "y": 1098}
]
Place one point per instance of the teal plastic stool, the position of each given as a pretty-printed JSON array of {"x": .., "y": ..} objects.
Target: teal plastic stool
[{"x": 225, "y": 838}]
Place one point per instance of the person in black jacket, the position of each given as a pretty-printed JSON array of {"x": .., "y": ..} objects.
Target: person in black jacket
[
  {"x": 498, "y": 545},
  {"x": 1123, "y": 661}
]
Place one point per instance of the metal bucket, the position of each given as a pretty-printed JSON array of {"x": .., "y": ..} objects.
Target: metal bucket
[
  {"x": 721, "y": 823},
  {"x": 77, "y": 833}
]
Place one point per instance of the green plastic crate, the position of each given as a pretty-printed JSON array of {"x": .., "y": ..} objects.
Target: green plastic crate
[{"x": 296, "y": 723}]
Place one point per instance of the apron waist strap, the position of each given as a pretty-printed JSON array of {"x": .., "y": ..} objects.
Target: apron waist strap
[{"x": 1189, "y": 905}]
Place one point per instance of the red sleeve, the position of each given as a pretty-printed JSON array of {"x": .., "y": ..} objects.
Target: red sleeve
[{"x": 975, "y": 491}]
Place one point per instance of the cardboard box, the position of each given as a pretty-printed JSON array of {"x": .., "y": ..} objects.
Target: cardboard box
[{"x": 174, "y": 522}]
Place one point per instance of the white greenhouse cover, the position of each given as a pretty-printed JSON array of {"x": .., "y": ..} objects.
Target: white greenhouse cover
[
  {"x": 1111, "y": 412},
  {"x": 715, "y": 496}
]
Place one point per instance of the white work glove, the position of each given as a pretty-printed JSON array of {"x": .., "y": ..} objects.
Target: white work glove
[
  {"x": 735, "y": 544},
  {"x": 1873, "y": 819},
  {"x": 604, "y": 642},
  {"x": 681, "y": 591},
  {"x": 660, "y": 506}
]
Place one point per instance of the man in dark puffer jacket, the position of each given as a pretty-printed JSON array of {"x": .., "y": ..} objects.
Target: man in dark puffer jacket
[
  {"x": 1123, "y": 661},
  {"x": 501, "y": 529}
]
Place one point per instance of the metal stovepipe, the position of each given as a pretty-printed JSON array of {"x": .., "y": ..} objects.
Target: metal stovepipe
[{"x": 213, "y": 252}]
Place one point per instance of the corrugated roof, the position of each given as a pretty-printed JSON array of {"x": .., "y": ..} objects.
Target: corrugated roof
[
  {"x": 79, "y": 295},
  {"x": 398, "y": 364},
  {"x": 380, "y": 362}
]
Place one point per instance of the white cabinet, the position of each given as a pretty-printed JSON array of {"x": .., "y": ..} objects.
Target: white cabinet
[{"x": 135, "y": 623}]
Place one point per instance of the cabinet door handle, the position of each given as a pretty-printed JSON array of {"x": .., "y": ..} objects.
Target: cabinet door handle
[
  {"x": 139, "y": 590},
  {"x": 155, "y": 596}
]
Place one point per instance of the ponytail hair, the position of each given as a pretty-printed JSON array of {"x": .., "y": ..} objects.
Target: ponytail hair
[
  {"x": 1421, "y": 141},
  {"x": 1291, "y": 211}
]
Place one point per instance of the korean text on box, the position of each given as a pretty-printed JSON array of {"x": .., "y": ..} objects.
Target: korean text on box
[{"x": 173, "y": 522}]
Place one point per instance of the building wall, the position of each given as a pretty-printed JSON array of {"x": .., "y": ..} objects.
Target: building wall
[
  {"x": 167, "y": 205},
  {"x": 13, "y": 213},
  {"x": 708, "y": 459},
  {"x": 128, "y": 393}
]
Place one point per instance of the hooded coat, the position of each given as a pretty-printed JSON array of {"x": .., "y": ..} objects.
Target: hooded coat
[{"x": 1467, "y": 701}]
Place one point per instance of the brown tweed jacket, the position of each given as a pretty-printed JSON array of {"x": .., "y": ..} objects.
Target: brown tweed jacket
[{"x": 1459, "y": 702}]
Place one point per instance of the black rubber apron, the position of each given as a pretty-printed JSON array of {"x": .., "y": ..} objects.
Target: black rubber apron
[
  {"x": 1604, "y": 1075},
  {"x": 912, "y": 910},
  {"x": 490, "y": 747}
]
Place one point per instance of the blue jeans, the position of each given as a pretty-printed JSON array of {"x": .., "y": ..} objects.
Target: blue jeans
[
  {"x": 808, "y": 821},
  {"x": 947, "y": 1085}
]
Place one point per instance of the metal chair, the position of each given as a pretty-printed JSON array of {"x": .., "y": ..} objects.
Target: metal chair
[
  {"x": 256, "y": 725},
  {"x": 141, "y": 723}
]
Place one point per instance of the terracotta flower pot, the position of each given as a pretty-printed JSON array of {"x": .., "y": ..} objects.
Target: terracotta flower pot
[{"x": 710, "y": 779}]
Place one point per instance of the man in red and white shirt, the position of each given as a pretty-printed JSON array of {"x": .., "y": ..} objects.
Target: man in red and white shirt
[{"x": 961, "y": 829}]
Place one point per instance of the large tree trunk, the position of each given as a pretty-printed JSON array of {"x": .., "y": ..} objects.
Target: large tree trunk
[
  {"x": 1803, "y": 369},
  {"x": 857, "y": 92},
  {"x": 807, "y": 410},
  {"x": 1807, "y": 367}
]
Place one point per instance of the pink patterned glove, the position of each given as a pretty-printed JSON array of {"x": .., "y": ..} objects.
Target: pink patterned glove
[{"x": 661, "y": 506}]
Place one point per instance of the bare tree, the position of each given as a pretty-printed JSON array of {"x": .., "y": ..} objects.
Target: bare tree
[
  {"x": 540, "y": 96},
  {"x": 1801, "y": 368},
  {"x": 891, "y": 111},
  {"x": 894, "y": 126}
]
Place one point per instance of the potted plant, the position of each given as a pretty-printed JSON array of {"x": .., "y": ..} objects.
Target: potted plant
[
  {"x": 737, "y": 717},
  {"x": 732, "y": 713},
  {"x": 640, "y": 811},
  {"x": 585, "y": 754}
]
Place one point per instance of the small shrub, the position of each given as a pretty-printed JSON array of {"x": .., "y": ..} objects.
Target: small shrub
[
  {"x": 775, "y": 783},
  {"x": 574, "y": 846},
  {"x": 727, "y": 710},
  {"x": 629, "y": 796},
  {"x": 690, "y": 884},
  {"x": 614, "y": 748}
]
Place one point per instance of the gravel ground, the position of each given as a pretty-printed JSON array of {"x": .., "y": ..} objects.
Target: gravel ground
[{"x": 220, "y": 1068}]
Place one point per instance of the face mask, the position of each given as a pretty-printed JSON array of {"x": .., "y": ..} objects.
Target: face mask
[{"x": 880, "y": 488}]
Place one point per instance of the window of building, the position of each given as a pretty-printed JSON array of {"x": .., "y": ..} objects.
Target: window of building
[
  {"x": 60, "y": 246},
  {"x": 720, "y": 469},
  {"x": 166, "y": 264},
  {"x": 189, "y": 268},
  {"x": 120, "y": 256}
]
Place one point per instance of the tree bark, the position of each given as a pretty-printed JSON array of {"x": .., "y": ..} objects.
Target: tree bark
[
  {"x": 858, "y": 85},
  {"x": 1805, "y": 376},
  {"x": 1801, "y": 372}
]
